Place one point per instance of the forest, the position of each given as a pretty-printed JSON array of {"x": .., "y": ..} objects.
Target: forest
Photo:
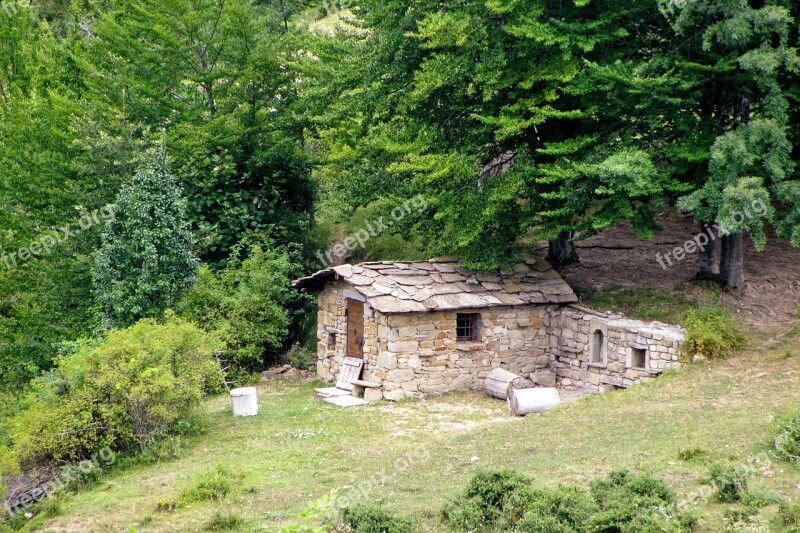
[{"x": 167, "y": 167}]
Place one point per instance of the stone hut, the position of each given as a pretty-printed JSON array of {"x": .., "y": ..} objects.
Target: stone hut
[{"x": 432, "y": 326}]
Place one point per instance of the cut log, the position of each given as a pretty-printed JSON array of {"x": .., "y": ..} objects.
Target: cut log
[
  {"x": 500, "y": 381},
  {"x": 525, "y": 401}
]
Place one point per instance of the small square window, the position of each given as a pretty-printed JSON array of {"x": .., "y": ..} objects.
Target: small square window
[
  {"x": 638, "y": 358},
  {"x": 466, "y": 327}
]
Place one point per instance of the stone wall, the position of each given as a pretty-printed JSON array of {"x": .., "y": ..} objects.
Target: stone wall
[
  {"x": 599, "y": 353},
  {"x": 419, "y": 352},
  {"x": 412, "y": 354},
  {"x": 332, "y": 331}
]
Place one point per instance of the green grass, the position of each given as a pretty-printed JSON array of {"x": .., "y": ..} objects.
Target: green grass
[
  {"x": 421, "y": 453},
  {"x": 670, "y": 307}
]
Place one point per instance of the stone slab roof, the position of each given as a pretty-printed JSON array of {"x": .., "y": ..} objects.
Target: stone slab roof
[{"x": 442, "y": 284}]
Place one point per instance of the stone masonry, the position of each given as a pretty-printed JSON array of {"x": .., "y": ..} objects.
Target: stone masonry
[{"x": 411, "y": 351}]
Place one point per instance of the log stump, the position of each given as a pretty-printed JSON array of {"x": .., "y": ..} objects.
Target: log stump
[
  {"x": 499, "y": 382},
  {"x": 522, "y": 402}
]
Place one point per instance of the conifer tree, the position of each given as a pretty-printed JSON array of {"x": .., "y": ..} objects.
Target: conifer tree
[{"x": 146, "y": 260}]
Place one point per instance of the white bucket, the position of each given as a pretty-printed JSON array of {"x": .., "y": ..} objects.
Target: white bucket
[{"x": 245, "y": 401}]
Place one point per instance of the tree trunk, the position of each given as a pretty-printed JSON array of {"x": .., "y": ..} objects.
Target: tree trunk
[
  {"x": 500, "y": 381},
  {"x": 709, "y": 257},
  {"x": 525, "y": 401},
  {"x": 561, "y": 251},
  {"x": 732, "y": 263}
]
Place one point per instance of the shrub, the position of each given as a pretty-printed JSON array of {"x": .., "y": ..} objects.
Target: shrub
[
  {"x": 788, "y": 518},
  {"x": 690, "y": 454},
  {"x": 626, "y": 499},
  {"x": 224, "y": 521},
  {"x": 561, "y": 509},
  {"x": 315, "y": 512},
  {"x": 730, "y": 483},
  {"x": 211, "y": 485},
  {"x": 374, "y": 519},
  {"x": 125, "y": 392},
  {"x": 246, "y": 304},
  {"x": 505, "y": 501},
  {"x": 787, "y": 441},
  {"x": 301, "y": 357},
  {"x": 737, "y": 518},
  {"x": 483, "y": 503},
  {"x": 712, "y": 333}
]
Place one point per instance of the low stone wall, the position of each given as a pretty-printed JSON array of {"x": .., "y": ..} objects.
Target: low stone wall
[{"x": 599, "y": 353}]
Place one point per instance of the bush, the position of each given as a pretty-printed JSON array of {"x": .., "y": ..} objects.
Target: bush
[
  {"x": 738, "y": 518},
  {"x": 730, "y": 483},
  {"x": 246, "y": 304},
  {"x": 374, "y": 519},
  {"x": 483, "y": 503},
  {"x": 561, "y": 509},
  {"x": 211, "y": 485},
  {"x": 125, "y": 392},
  {"x": 636, "y": 502},
  {"x": 787, "y": 441},
  {"x": 712, "y": 333},
  {"x": 690, "y": 454},
  {"x": 224, "y": 521},
  {"x": 788, "y": 518},
  {"x": 506, "y": 501}
]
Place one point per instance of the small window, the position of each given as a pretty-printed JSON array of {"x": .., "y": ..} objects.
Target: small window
[
  {"x": 597, "y": 347},
  {"x": 331, "y": 341},
  {"x": 638, "y": 358},
  {"x": 466, "y": 327}
]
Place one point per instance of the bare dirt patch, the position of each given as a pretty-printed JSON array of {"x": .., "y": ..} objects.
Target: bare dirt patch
[
  {"x": 438, "y": 416},
  {"x": 618, "y": 257}
]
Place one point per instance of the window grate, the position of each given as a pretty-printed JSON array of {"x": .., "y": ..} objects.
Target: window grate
[{"x": 466, "y": 327}]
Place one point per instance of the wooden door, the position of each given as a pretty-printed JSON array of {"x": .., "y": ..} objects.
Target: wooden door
[{"x": 355, "y": 329}]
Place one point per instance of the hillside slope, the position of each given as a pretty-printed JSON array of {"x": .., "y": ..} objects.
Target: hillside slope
[{"x": 300, "y": 448}]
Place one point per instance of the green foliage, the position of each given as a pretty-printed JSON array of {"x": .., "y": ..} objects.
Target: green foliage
[
  {"x": 787, "y": 440},
  {"x": 7, "y": 466},
  {"x": 146, "y": 260},
  {"x": 506, "y": 501},
  {"x": 712, "y": 333},
  {"x": 730, "y": 483},
  {"x": 739, "y": 517},
  {"x": 634, "y": 501},
  {"x": 224, "y": 521},
  {"x": 247, "y": 304},
  {"x": 126, "y": 391},
  {"x": 690, "y": 454},
  {"x": 483, "y": 502},
  {"x": 313, "y": 513},
  {"x": 212, "y": 485},
  {"x": 788, "y": 518},
  {"x": 670, "y": 307},
  {"x": 373, "y": 518},
  {"x": 222, "y": 77},
  {"x": 302, "y": 357}
]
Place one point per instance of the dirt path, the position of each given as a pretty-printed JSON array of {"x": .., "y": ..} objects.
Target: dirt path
[{"x": 617, "y": 257}]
